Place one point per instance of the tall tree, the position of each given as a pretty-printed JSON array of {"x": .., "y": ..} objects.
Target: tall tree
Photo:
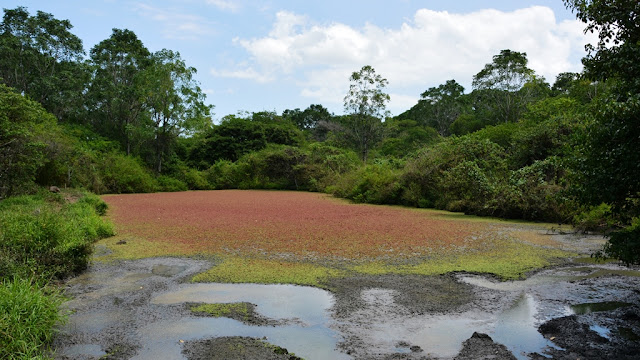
[
  {"x": 366, "y": 102},
  {"x": 41, "y": 58},
  {"x": 608, "y": 155},
  {"x": 501, "y": 84},
  {"x": 116, "y": 94},
  {"x": 445, "y": 104},
  {"x": 174, "y": 101}
]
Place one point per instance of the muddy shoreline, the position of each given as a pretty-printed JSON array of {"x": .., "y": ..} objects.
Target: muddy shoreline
[{"x": 117, "y": 311}]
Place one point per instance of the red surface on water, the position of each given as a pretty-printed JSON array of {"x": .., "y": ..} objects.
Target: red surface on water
[{"x": 274, "y": 222}]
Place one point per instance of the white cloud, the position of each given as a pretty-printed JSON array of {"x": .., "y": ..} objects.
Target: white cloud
[
  {"x": 232, "y": 6},
  {"x": 246, "y": 73},
  {"x": 432, "y": 48},
  {"x": 176, "y": 25}
]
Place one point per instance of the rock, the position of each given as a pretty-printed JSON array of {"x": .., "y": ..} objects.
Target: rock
[{"x": 481, "y": 346}]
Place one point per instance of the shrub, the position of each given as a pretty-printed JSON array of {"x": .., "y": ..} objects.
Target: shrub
[
  {"x": 374, "y": 184},
  {"x": 169, "y": 184},
  {"x": 224, "y": 174},
  {"x": 194, "y": 179},
  {"x": 595, "y": 218},
  {"x": 48, "y": 239},
  {"x": 124, "y": 174},
  {"x": 624, "y": 245}
]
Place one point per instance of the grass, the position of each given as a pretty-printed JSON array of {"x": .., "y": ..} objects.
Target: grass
[
  {"x": 43, "y": 237},
  {"x": 28, "y": 315},
  {"x": 241, "y": 309},
  {"x": 261, "y": 271}
]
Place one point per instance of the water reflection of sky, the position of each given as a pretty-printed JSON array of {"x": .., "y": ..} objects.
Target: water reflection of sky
[{"x": 309, "y": 337}]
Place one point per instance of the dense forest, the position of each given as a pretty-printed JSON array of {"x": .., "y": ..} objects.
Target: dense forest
[{"x": 122, "y": 119}]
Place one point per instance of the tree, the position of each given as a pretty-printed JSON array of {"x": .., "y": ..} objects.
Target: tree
[
  {"x": 607, "y": 157},
  {"x": 618, "y": 50},
  {"x": 41, "y": 58},
  {"x": 445, "y": 105},
  {"x": 501, "y": 85},
  {"x": 309, "y": 118},
  {"x": 116, "y": 96},
  {"x": 23, "y": 125},
  {"x": 174, "y": 101},
  {"x": 366, "y": 103}
]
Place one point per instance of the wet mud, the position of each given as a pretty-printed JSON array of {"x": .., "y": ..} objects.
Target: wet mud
[
  {"x": 235, "y": 348},
  {"x": 140, "y": 309}
]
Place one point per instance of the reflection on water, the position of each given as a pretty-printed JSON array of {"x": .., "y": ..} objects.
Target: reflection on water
[
  {"x": 517, "y": 328},
  {"x": 308, "y": 337},
  {"x": 443, "y": 335}
]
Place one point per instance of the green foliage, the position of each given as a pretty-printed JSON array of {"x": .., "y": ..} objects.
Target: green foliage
[
  {"x": 505, "y": 87},
  {"x": 123, "y": 174},
  {"x": 23, "y": 125},
  {"x": 48, "y": 239},
  {"x": 236, "y": 136},
  {"x": 403, "y": 137},
  {"x": 533, "y": 192},
  {"x": 458, "y": 173},
  {"x": 170, "y": 184},
  {"x": 325, "y": 164},
  {"x": 276, "y": 167},
  {"x": 42, "y": 237},
  {"x": 375, "y": 183},
  {"x": 28, "y": 316},
  {"x": 466, "y": 124},
  {"x": 224, "y": 174},
  {"x": 41, "y": 58},
  {"x": 595, "y": 218},
  {"x": 365, "y": 103},
  {"x": 309, "y": 118},
  {"x": 624, "y": 245}
]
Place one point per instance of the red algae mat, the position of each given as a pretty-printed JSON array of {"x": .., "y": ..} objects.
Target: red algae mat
[{"x": 253, "y": 222}]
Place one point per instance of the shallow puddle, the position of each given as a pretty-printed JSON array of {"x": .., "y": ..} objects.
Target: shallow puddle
[
  {"x": 517, "y": 328},
  {"x": 140, "y": 306},
  {"x": 306, "y": 308},
  {"x": 442, "y": 335}
]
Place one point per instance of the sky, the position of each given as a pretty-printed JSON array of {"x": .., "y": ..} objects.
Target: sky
[{"x": 274, "y": 55}]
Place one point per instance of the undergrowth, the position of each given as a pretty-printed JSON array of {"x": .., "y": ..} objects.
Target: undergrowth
[{"x": 43, "y": 237}]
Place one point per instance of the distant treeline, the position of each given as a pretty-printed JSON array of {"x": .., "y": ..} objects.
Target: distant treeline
[{"x": 124, "y": 119}]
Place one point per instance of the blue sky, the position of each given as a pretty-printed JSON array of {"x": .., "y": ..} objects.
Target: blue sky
[{"x": 277, "y": 55}]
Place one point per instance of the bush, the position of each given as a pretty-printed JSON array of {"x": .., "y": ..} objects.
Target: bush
[
  {"x": 624, "y": 245},
  {"x": 48, "y": 239},
  {"x": 458, "y": 174},
  {"x": 534, "y": 193},
  {"x": 169, "y": 184},
  {"x": 28, "y": 316},
  {"x": 120, "y": 173},
  {"x": 194, "y": 179},
  {"x": 595, "y": 218},
  {"x": 374, "y": 184},
  {"x": 224, "y": 174},
  {"x": 42, "y": 237}
]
